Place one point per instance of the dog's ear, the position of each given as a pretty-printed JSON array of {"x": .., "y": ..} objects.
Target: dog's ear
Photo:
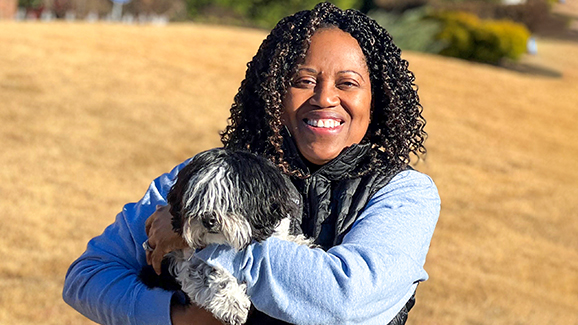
[
  {"x": 294, "y": 201},
  {"x": 269, "y": 195},
  {"x": 174, "y": 199},
  {"x": 178, "y": 223},
  {"x": 288, "y": 202},
  {"x": 175, "y": 196},
  {"x": 280, "y": 203}
]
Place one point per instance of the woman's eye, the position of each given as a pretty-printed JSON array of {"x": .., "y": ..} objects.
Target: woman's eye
[
  {"x": 347, "y": 84},
  {"x": 303, "y": 83}
]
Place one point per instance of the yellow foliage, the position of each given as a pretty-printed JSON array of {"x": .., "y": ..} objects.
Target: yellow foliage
[{"x": 468, "y": 37}]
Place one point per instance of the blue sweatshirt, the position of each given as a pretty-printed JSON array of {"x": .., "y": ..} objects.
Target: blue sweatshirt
[{"x": 365, "y": 280}]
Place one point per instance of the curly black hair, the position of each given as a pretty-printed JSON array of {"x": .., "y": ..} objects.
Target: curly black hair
[{"x": 397, "y": 126}]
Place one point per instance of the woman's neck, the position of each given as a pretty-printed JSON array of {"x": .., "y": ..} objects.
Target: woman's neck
[{"x": 311, "y": 166}]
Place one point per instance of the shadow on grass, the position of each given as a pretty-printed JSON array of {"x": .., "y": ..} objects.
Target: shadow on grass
[{"x": 531, "y": 69}]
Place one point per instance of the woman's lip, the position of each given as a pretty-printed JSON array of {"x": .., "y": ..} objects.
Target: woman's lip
[
  {"x": 323, "y": 123},
  {"x": 316, "y": 121},
  {"x": 323, "y": 115},
  {"x": 323, "y": 130}
]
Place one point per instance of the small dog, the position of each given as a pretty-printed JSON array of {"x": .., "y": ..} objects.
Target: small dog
[{"x": 225, "y": 197}]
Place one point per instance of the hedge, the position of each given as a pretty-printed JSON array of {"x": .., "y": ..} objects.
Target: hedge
[{"x": 468, "y": 37}]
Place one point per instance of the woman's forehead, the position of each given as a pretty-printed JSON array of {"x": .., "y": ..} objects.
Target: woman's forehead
[{"x": 336, "y": 48}]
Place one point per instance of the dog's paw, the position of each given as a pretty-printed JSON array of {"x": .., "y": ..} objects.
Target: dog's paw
[
  {"x": 236, "y": 314},
  {"x": 217, "y": 291},
  {"x": 230, "y": 302}
]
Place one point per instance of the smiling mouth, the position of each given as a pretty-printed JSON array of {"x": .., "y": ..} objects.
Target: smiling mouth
[{"x": 323, "y": 123}]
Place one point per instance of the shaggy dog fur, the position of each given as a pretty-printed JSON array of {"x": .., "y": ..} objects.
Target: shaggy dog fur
[{"x": 225, "y": 197}]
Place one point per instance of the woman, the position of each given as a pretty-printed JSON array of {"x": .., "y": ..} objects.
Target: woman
[{"x": 328, "y": 99}]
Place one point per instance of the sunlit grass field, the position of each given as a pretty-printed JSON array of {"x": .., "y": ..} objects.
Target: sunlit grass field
[{"x": 91, "y": 113}]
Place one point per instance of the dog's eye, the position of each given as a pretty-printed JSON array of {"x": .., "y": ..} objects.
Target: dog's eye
[
  {"x": 209, "y": 220},
  {"x": 275, "y": 207}
]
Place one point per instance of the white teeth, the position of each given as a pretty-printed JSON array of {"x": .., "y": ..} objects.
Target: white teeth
[{"x": 323, "y": 123}]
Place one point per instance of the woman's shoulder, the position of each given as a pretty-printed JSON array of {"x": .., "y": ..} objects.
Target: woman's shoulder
[
  {"x": 411, "y": 175},
  {"x": 409, "y": 183}
]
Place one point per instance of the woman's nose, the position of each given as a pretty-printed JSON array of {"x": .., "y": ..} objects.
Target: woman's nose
[{"x": 325, "y": 96}]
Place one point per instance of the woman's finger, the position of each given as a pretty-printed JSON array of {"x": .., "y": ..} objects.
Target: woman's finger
[
  {"x": 150, "y": 220},
  {"x": 148, "y": 256},
  {"x": 156, "y": 257},
  {"x": 162, "y": 239}
]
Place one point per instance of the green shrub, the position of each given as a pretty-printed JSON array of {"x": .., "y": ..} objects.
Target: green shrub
[
  {"x": 260, "y": 13},
  {"x": 29, "y": 3},
  {"x": 512, "y": 37},
  {"x": 490, "y": 41},
  {"x": 411, "y": 30}
]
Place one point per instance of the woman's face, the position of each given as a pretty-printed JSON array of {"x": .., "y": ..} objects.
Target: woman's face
[{"x": 327, "y": 107}]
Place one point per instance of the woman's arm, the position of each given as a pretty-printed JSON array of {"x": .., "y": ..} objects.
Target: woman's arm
[
  {"x": 103, "y": 283},
  {"x": 367, "y": 279}
]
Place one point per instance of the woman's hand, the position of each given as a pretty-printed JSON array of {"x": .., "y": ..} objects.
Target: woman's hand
[{"x": 162, "y": 238}]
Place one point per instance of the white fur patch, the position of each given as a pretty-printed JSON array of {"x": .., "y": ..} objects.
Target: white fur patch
[
  {"x": 282, "y": 232},
  {"x": 214, "y": 289}
]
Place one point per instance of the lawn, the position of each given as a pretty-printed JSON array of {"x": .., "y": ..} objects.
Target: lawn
[{"x": 91, "y": 113}]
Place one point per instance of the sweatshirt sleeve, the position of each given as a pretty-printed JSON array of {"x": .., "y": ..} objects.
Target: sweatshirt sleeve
[
  {"x": 365, "y": 280},
  {"x": 103, "y": 285}
]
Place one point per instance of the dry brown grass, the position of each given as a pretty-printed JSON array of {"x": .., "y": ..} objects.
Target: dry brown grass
[{"x": 90, "y": 114}]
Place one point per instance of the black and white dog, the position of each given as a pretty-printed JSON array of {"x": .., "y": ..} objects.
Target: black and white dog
[{"x": 225, "y": 197}]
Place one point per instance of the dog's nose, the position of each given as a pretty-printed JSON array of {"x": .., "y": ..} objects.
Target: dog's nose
[{"x": 209, "y": 221}]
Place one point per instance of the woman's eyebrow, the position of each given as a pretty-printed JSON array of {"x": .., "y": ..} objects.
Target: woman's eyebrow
[
  {"x": 308, "y": 70},
  {"x": 351, "y": 71},
  {"x": 311, "y": 70}
]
